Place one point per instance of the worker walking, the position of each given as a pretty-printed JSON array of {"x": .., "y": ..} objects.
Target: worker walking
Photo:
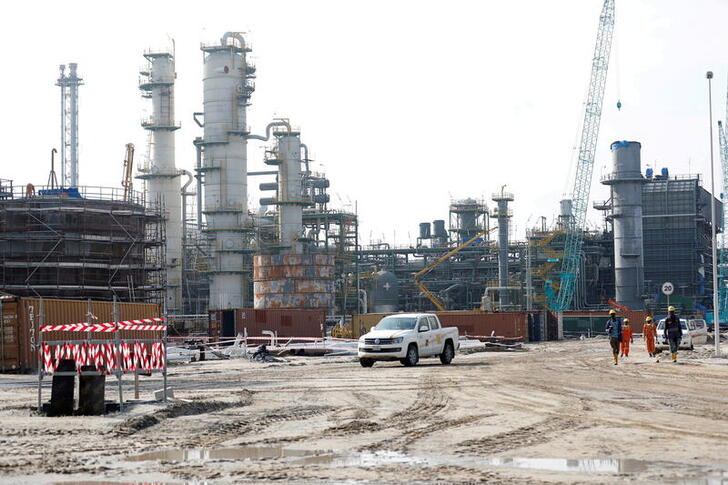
[
  {"x": 614, "y": 332},
  {"x": 673, "y": 332},
  {"x": 649, "y": 333},
  {"x": 626, "y": 338}
]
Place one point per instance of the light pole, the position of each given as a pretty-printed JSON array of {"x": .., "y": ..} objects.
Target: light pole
[{"x": 716, "y": 309}]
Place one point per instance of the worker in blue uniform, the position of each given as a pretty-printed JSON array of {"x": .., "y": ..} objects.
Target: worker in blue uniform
[{"x": 614, "y": 332}]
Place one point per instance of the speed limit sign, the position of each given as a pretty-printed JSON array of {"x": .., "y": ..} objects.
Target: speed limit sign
[{"x": 667, "y": 288}]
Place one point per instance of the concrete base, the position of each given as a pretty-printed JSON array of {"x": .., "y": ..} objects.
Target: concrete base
[{"x": 159, "y": 394}]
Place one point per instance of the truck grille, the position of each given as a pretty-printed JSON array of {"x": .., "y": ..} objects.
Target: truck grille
[
  {"x": 387, "y": 350},
  {"x": 380, "y": 341}
]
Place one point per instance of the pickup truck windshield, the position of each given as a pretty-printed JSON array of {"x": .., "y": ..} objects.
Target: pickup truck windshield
[{"x": 396, "y": 323}]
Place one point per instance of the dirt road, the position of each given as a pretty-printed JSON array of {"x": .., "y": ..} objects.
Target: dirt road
[{"x": 557, "y": 413}]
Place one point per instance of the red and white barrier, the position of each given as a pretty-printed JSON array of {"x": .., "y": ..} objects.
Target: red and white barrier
[
  {"x": 127, "y": 356},
  {"x": 142, "y": 324}
]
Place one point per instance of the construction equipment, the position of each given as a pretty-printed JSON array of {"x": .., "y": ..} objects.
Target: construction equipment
[
  {"x": 585, "y": 160},
  {"x": 723, "y": 257},
  {"x": 616, "y": 305},
  {"x": 421, "y": 286},
  {"x": 127, "y": 180}
]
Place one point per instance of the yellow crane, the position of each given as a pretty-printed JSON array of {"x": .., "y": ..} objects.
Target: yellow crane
[
  {"x": 434, "y": 299},
  {"x": 127, "y": 181}
]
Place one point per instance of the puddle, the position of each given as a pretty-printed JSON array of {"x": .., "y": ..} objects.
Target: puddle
[
  {"x": 588, "y": 465},
  {"x": 91, "y": 482},
  {"x": 697, "y": 475},
  {"x": 235, "y": 453},
  {"x": 379, "y": 458},
  {"x": 318, "y": 457}
]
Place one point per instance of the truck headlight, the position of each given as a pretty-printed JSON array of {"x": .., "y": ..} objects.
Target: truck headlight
[{"x": 397, "y": 340}]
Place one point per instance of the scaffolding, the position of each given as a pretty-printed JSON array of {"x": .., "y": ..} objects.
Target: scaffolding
[
  {"x": 676, "y": 225},
  {"x": 85, "y": 242},
  {"x": 594, "y": 285}
]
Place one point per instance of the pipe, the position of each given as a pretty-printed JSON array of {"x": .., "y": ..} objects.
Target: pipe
[
  {"x": 201, "y": 124},
  {"x": 269, "y": 128},
  {"x": 363, "y": 300},
  {"x": 199, "y": 185},
  {"x": 234, "y": 35},
  {"x": 184, "y": 194},
  {"x": 304, "y": 147}
]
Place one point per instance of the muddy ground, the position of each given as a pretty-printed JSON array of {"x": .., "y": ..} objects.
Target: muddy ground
[{"x": 328, "y": 419}]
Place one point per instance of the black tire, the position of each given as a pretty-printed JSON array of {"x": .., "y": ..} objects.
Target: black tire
[
  {"x": 413, "y": 356},
  {"x": 366, "y": 362},
  {"x": 448, "y": 353}
]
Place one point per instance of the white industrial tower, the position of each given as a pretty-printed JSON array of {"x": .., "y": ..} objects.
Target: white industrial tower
[
  {"x": 69, "y": 124},
  {"x": 161, "y": 174},
  {"x": 228, "y": 85}
]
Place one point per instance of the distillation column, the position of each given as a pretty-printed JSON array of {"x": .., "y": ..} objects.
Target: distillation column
[
  {"x": 503, "y": 214},
  {"x": 290, "y": 191},
  {"x": 162, "y": 176},
  {"x": 227, "y": 90},
  {"x": 69, "y": 124},
  {"x": 626, "y": 185}
]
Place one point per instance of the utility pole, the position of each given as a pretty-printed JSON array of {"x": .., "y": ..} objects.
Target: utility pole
[{"x": 716, "y": 306}]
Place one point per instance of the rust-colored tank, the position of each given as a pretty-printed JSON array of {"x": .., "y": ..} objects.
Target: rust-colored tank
[{"x": 293, "y": 281}]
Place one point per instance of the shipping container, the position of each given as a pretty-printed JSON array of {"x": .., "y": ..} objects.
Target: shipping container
[
  {"x": 21, "y": 318},
  {"x": 287, "y": 323},
  {"x": 474, "y": 323}
]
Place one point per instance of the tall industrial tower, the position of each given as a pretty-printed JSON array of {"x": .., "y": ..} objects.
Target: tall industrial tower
[
  {"x": 504, "y": 215},
  {"x": 69, "y": 124},
  {"x": 162, "y": 176},
  {"x": 228, "y": 85},
  {"x": 626, "y": 186},
  {"x": 291, "y": 200}
]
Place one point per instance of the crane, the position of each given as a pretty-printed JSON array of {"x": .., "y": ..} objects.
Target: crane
[
  {"x": 421, "y": 286},
  {"x": 723, "y": 258},
  {"x": 127, "y": 181},
  {"x": 585, "y": 160}
]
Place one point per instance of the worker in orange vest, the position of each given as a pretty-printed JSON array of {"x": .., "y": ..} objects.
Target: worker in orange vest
[
  {"x": 626, "y": 338},
  {"x": 649, "y": 333}
]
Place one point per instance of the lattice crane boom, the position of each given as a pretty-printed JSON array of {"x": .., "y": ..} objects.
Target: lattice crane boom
[
  {"x": 723, "y": 261},
  {"x": 585, "y": 161}
]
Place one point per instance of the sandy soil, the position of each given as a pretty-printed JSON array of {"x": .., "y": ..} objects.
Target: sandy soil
[{"x": 430, "y": 423}]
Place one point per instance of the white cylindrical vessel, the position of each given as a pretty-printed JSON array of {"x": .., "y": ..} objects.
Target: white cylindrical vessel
[
  {"x": 162, "y": 176},
  {"x": 226, "y": 95},
  {"x": 290, "y": 192}
]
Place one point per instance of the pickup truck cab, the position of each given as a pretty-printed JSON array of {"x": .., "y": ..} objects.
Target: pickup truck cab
[{"x": 407, "y": 337}]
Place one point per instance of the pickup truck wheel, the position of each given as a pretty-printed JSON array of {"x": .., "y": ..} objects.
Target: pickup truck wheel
[
  {"x": 447, "y": 354},
  {"x": 366, "y": 362},
  {"x": 412, "y": 356}
]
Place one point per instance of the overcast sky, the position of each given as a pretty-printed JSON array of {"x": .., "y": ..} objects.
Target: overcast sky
[{"x": 405, "y": 105}]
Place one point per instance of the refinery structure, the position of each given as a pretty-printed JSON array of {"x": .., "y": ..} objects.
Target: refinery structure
[{"x": 191, "y": 242}]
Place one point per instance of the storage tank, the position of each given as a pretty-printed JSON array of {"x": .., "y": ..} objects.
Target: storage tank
[
  {"x": 384, "y": 293},
  {"x": 293, "y": 281},
  {"x": 425, "y": 230},
  {"x": 438, "y": 228}
]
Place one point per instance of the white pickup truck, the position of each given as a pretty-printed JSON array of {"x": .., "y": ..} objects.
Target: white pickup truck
[{"x": 406, "y": 337}]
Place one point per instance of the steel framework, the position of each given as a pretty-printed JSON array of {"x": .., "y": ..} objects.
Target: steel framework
[{"x": 69, "y": 124}]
